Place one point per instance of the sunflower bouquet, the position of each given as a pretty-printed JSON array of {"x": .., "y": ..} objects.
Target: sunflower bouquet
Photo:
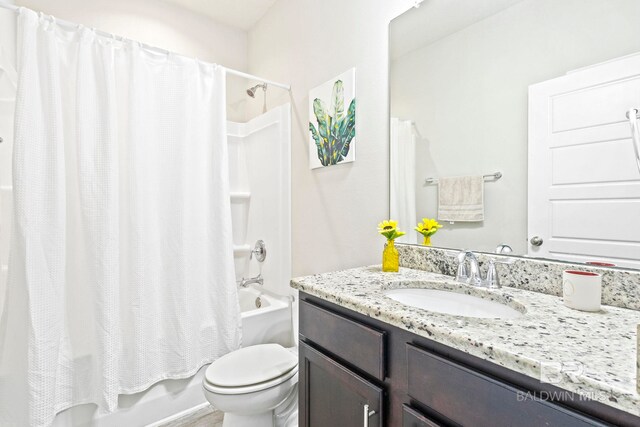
[
  {"x": 390, "y": 255},
  {"x": 428, "y": 227},
  {"x": 389, "y": 229}
]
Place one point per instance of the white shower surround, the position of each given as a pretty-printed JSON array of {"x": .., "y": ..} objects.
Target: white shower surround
[{"x": 260, "y": 171}]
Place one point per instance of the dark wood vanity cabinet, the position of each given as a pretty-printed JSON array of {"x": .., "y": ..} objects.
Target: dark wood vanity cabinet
[
  {"x": 468, "y": 397},
  {"x": 343, "y": 365},
  {"x": 336, "y": 396},
  {"x": 348, "y": 360}
]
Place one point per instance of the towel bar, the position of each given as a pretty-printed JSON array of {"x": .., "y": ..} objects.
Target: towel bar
[{"x": 495, "y": 176}]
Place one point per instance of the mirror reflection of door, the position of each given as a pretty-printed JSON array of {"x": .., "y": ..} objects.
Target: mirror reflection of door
[
  {"x": 584, "y": 181},
  {"x": 460, "y": 72}
]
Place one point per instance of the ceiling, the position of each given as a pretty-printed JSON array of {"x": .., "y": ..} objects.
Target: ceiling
[
  {"x": 435, "y": 19},
  {"x": 243, "y": 14}
]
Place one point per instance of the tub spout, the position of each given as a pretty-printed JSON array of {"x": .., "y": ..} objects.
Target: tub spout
[{"x": 251, "y": 280}]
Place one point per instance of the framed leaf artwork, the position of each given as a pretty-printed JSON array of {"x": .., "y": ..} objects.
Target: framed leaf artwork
[{"x": 332, "y": 121}]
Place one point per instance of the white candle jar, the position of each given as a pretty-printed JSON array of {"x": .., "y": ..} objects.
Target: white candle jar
[{"x": 582, "y": 290}]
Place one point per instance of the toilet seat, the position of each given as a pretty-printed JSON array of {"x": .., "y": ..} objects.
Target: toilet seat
[
  {"x": 251, "y": 369},
  {"x": 252, "y": 388}
]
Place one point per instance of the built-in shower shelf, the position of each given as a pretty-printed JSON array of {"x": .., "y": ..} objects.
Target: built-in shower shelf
[
  {"x": 239, "y": 196},
  {"x": 239, "y": 250}
]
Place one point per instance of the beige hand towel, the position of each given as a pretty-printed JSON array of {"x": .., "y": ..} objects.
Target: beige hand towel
[{"x": 461, "y": 198}]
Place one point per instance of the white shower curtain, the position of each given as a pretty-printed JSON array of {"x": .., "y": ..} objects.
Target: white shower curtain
[
  {"x": 8, "y": 83},
  {"x": 403, "y": 177},
  {"x": 121, "y": 266}
]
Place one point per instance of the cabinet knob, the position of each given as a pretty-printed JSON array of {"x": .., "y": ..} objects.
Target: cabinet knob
[
  {"x": 366, "y": 413},
  {"x": 536, "y": 241}
]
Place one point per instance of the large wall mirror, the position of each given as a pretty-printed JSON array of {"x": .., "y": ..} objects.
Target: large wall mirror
[{"x": 534, "y": 96}]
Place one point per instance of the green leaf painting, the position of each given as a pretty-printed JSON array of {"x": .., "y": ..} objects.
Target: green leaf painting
[{"x": 334, "y": 130}]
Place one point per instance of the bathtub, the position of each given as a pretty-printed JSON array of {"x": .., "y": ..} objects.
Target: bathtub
[{"x": 266, "y": 318}]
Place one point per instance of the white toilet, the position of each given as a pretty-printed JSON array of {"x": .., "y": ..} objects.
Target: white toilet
[{"x": 255, "y": 386}]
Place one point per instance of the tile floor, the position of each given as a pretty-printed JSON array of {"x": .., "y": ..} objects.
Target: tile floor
[{"x": 205, "y": 417}]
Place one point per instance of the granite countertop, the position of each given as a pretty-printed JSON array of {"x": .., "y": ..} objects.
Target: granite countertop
[{"x": 592, "y": 354}]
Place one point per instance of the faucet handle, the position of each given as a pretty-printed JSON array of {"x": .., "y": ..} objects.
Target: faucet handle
[
  {"x": 492, "y": 280},
  {"x": 259, "y": 250},
  {"x": 462, "y": 275}
]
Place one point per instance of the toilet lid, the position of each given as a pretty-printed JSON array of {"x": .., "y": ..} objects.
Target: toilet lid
[{"x": 251, "y": 365}]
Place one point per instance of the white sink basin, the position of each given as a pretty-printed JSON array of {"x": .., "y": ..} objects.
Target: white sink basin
[{"x": 453, "y": 303}]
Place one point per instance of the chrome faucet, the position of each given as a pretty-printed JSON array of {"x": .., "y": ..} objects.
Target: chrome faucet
[
  {"x": 251, "y": 280},
  {"x": 260, "y": 253},
  {"x": 472, "y": 274}
]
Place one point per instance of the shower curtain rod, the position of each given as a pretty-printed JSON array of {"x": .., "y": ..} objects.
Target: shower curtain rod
[
  {"x": 260, "y": 79},
  {"x": 156, "y": 49}
]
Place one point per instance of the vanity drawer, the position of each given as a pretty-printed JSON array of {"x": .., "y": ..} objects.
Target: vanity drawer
[
  {"x": 470, "y": 398},
  {"x": 358, "y": 344},
  {"x": 413, "y": 418}
]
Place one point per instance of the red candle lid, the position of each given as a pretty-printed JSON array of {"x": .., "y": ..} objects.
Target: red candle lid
[{"x": 581, "y": 273}]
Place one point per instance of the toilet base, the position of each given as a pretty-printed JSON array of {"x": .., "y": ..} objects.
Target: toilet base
[{"x": 284, "y": 415}]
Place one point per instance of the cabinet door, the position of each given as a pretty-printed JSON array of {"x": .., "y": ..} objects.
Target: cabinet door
[
  {"x": 413, "y": 418},
  {"x": 332, "y": 395}
]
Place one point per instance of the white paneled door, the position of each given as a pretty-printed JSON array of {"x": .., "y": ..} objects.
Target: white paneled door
[{"x": 584, "y": 182}]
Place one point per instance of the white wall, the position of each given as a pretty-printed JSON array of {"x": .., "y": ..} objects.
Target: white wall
[
  {"x": 467, "y": 94},
  {"x": 166, "y": 26},
  {"x": 335, "y": 210}
]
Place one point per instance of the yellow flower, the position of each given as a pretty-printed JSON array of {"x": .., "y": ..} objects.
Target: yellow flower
[
  {"x": 387, "y": 225},
  {"x": 428, "y": 227},
  {"x": 389, "y": 229}
]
